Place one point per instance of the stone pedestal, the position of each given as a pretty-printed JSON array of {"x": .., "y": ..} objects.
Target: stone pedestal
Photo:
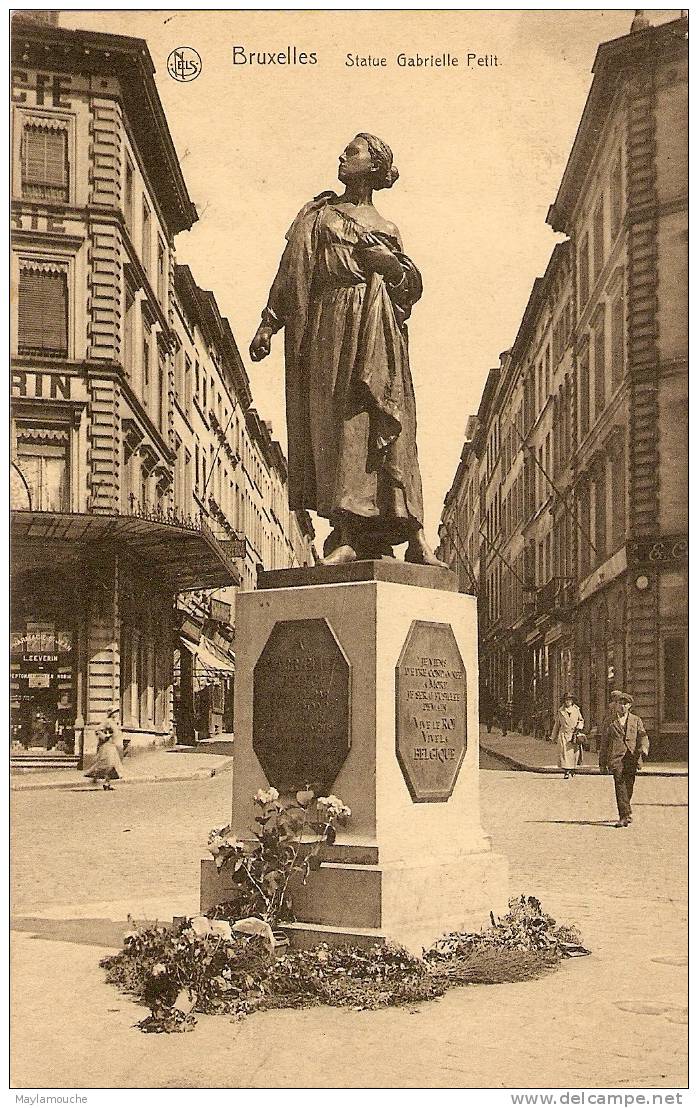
[{"x": 377, "y": 690}]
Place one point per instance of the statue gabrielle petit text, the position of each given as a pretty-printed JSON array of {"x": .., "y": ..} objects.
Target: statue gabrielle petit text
[{"x": 344, "y": 292}]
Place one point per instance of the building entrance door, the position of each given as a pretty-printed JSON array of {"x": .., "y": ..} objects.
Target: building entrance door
[{"x": 40, "y": 716}]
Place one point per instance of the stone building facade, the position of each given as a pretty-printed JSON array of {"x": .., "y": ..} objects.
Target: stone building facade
[
  {"x": 105, "y": 530},
  {"x": 230, "y": 471},
  {"x": 585, "y": 564}
]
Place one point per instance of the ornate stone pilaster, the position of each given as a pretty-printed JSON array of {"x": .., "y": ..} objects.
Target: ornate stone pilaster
[{"x": 643, "y": 372}]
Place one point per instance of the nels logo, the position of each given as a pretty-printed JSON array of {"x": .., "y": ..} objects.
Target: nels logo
[{"x": 184, "y": 64}]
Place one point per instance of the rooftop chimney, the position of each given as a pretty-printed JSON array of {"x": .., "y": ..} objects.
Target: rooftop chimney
[{"x": 640, "y": 22}]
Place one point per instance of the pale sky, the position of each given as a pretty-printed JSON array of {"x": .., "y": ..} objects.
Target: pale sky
[{"x": 480, "y": 151}]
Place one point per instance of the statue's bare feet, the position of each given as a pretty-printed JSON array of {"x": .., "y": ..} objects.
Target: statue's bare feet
[
  {"x": 341, "y": 555},
  {"x": 419, "y": 552}
]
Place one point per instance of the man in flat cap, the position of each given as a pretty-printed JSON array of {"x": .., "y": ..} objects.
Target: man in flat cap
[{"x": 623, "y": 746}]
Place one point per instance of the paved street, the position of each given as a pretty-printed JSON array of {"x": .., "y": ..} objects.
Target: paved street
[
  {"x": 136, "y": 849},
  {"x": 615, "y": 1019}
]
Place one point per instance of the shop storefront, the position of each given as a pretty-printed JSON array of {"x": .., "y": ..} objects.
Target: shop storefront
[
  {"x": 42, "y": 667},
  {"x": 601, "y": 634},
  {"x": 92, "y": 601},
  {"x": 203, "y": 692}
]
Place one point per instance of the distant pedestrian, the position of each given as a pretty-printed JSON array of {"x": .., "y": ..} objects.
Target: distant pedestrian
[
  {"x": 505, "y": 717},
  {"x": 623, "y": 746},
  {"x": 486, "y": 707},
  {"x": 567, "y": 730},
  {"x": 107, "y": 765}
]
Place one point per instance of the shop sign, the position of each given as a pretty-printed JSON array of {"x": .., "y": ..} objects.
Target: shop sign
[
  {"x": 220, "y": 611},
  {"x": 27, "y": 218},
  {"x": 40, "y": 645},
  {"x": 190, "y": 630},
  {"x": 45, "y": 386},
  {"x": 235, "y": 548},
  {"x": 667, "y": 550},
  {"x": 39, "y": 680}
]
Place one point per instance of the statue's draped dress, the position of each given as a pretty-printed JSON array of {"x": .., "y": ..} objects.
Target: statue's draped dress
[{"x": 350, "y": 402}]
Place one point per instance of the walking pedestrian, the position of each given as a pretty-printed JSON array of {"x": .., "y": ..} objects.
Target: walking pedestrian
[
  {"x": 501, "y": 714},
  {"x": 623, "y": 746},
  {"x": 566, "y": 730},
  {"x": 486, "y": 707},
  {"x": 107, "y": 765}
]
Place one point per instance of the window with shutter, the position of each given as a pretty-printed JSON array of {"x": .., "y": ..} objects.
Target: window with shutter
[
  {"x": 42, "y": 456},
  {"x": 161, "y": 272},
  {"x": 599, "y": 237},
  {"x": 617, "y": 343},
  {"x": 600, "y": 508},
  {"x": 599, "y": 367},
  {"x": 616, "y": 198},
  {"x": 45, "y": 161},
  {"x": 618, "y": 494},
  {"x": 146, "y": 368},
  {"x": 145, "y": 238},
  {"x": 128, "y": 196},
  {"x": 43, "y": 311},
  {"x": 584, "y": 272},
  {"x": 584, "y": 393},
  {"x": 162, "y": 393}
]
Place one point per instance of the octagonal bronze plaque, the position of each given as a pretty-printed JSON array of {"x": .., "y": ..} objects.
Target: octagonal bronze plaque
[
  {"x": 301, "y": 730},
  {"x": 430, "y": 711}
]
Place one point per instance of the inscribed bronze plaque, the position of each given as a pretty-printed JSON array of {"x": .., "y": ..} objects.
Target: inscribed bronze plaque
[
  {"x": 301, "y": 730},
  {"x": 430, "y": 711}
]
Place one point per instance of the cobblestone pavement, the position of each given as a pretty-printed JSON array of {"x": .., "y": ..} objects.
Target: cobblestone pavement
[
  {"x": 129, "y": 850},
  {"x": 617, "y": 1019}
]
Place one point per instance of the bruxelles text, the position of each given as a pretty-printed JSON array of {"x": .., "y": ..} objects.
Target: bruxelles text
[{"x": 292, "y": 55}]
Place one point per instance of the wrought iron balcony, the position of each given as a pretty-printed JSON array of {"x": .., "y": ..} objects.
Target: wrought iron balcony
[{"x": 557, "y": 596}]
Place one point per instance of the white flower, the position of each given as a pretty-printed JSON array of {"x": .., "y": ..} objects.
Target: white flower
[
  {"x": 200, "y": 925},
  {"x": 335, "y": 806},
  {"x": 218, "y": 833},
  {"x": 217, "y": 843},
  {"x": 266, "y": 796},
  {"x": 158, "y": 970}
]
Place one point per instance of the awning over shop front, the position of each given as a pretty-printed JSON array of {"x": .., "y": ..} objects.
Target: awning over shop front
[
  {"x": 186, "y": 554},
  {"x": 208, "y": 658}
]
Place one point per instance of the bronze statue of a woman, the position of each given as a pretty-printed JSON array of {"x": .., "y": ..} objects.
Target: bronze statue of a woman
[{"x": 343, "y": 293}]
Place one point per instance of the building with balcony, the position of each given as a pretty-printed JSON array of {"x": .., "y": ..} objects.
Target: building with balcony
[
  {"x": 584, "y": 569},
  {"x": 110, "y": 523}
]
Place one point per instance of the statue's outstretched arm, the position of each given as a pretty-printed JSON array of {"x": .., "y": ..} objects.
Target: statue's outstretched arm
[{"x": 274, "y": 315}]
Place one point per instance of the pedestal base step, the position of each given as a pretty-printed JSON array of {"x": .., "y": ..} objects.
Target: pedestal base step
[{"x": 304, "y": 936}]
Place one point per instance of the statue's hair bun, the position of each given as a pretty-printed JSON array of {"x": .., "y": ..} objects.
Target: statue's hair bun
[{"x": 384, "y": 172}]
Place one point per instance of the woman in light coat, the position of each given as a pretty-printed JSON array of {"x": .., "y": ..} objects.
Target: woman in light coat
[
  {"x": 567, "y": 725},
  {"x": 107, "y": 764}
]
